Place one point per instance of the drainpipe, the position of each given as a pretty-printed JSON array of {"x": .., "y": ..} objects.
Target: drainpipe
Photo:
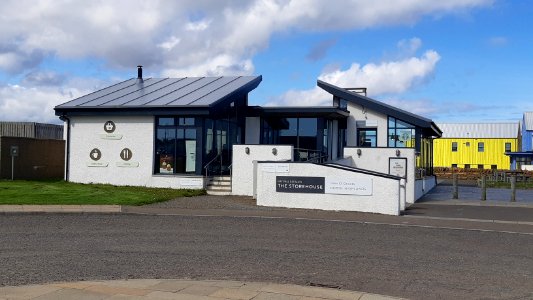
[{"x": 67, "y": 159}]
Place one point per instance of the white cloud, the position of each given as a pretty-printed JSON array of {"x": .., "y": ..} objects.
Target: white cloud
[
  {"x": 392, "y": 77},
  {"x": 128, "y": 33},
  {"x": 197, "y": 26},
  {"x": 190, "y": 37},
  {"x": 35, "y": 102},
  {"x": 19, "y": 103},
  {"x": 170, "y": 43}
]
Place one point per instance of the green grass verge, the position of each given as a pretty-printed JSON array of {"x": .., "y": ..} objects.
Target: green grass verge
[{"x": 65, "y": 193}]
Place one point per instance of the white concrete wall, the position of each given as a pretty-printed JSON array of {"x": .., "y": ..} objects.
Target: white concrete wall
[
  {"x": 377, "y": 159},
  {"x": 423, "y": 186},
  {"x": 358, "y": 113},
  {"x": 385, "y": 198},
  {"x": 137, "y": 135},
  {"x": 253, "y": 130},
  {"x": 242, "y": 181}
]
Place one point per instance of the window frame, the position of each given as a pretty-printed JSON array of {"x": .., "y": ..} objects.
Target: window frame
[
  {"x": 455, "y": 146},
  {"x": 508, "y": 149},
  {"x": 481, "y": 147},
  {"x": 367, "y": 129}
]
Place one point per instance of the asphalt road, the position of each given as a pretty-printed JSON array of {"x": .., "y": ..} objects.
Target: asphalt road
[{"x": 412, "y": 262}]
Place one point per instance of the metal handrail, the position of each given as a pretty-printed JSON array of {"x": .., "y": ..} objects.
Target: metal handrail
[
  {"x": 211, "y": 161},
  {"x": 318, "y": 157}
]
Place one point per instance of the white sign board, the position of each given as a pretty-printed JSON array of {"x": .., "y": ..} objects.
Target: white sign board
[
  {"x": 127, "y": 164},
  {"x": 360, "y": 186},
  {"x": 275, "y": 168},
  {"x": 191, "y": 181},
  {"x": 398, "y": 167}
]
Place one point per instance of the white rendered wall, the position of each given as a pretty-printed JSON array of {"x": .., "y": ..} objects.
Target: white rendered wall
[
  {"x": 253, "y": 130},
  {"x": 377, "y": 159},
  {"x": 242, "y": 179},
  {"x": 137, "y": 135},
  {"x": 358, "y": 113},
  {"x": 385, "y": 198},
  {"x": 423, "y": 186}
]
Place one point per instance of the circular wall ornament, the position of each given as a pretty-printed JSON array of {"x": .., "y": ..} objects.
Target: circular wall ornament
[
  {"x": 109, "y": 126},
  {"x": 126, "y": 154},
  {"x": 95, "y": 154}
]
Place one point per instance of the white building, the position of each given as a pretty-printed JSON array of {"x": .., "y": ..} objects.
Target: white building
[{"x": 357, "y": 154}]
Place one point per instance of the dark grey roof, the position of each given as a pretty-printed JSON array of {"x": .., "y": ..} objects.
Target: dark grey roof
[
  {"x": 298, "y": 111},
  {"x": 152, "y": 93},
  {"x": 430, "y": 128}
]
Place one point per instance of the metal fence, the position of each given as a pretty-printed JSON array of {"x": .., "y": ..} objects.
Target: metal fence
[{"x": 31, "y": 130}]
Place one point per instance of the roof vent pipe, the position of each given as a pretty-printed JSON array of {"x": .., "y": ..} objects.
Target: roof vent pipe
[{"x": 140, "y": 73}]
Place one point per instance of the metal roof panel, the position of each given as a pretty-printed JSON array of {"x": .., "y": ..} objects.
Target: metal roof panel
[
  {"x": 149, "y": 98},
  {"x": 192, "y": 97},
  {"x": 173, "y": 96},
  {"x": 528, "y": 120},
  {"x": 106, "y": 100},
  {"x": 479, "y": 130},
  {"x": 144, "y": 90},
  {"x": 98, "y": 94},
  {"x": 162, "y": 92}
]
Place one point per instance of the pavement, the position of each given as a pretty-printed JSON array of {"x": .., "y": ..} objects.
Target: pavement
[
  {"x": 436, "y": 209},
  {"x": 156, "y": 289}
]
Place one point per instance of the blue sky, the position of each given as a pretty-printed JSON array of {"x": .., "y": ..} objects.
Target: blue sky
[{"x": 455, "y": 61}]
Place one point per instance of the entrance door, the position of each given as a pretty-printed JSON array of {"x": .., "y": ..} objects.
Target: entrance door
[{"x": 186, "y": 150}]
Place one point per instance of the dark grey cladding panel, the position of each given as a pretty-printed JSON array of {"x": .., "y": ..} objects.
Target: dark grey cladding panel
[
  {"x": 132, "y": 89},
  {"x": 194, "y": 97},
  {"x": 224, "y": 90},
  {"x": 174, "y": 84},
  {"x": 147, "y": 87},
  {"x": 98, "y": 94},
  {"x": 165, "y": 100}
]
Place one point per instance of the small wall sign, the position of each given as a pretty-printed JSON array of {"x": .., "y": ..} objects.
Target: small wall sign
[
  {"x": 127, "y": 164},
  {"x": 97, "y": 164},
  {"x": 293, "y": 184},
  {"x": 360, "y": 186},
  {"x": 109, "y": 127},
  {"x": 398, "y": 166},
  {"x": 95, "y": 154},
  {"x": 126, "y": 154},
  {"x": 14, "y": 151},
  {"x": 111, "y": 136},
  {"x": 275, "y": 168},
  {"x": 191, "y": 181}
]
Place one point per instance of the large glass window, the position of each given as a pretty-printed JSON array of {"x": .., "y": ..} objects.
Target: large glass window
[
  {"x": 367, "y": 137},
  {"x": 309, "y": 136},
  {"x": 175, "y": 146},
  {"x": 401, "y": 134}
]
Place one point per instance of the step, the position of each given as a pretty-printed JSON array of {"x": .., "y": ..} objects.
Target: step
[
  {"x": 222, "y": 178},
  {"x": 219, "y": 188},
  {"x": 218, "y": 193},
  {"x": 219, "y": 183}
]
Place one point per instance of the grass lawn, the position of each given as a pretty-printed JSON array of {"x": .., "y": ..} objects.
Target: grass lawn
[{"x": 62, "y": 193}]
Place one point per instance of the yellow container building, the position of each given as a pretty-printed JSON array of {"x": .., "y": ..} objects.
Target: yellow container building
[{"x": 476, "y": 145}]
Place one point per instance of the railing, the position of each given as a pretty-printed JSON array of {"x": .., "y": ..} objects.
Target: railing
[
  {"x": 309, "y": 155},
  {"x": 210, "y": 162}
]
